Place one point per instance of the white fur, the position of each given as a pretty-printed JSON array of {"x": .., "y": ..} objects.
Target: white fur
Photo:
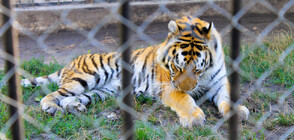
[
  {"x": 172, "y": 26},
  {"x": 25, "y": 82},
  {"x": 41, "y": 81}
]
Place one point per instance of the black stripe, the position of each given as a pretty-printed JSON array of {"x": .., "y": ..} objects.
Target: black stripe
[
  {"x": 152, "y": 71},
  {"x": 199, "y": 47},
  {"x": 106, "y": 90},
  {"x": 108, "y": 60},
  {"x": 200, "y": 31},
  {"x": 94, "y": 63},
  {"x": 81, "y": 81},
  {"x": 139, "y": 79},
  {"x": 116, "y": 65},
  {"x": 112, "y": 71},
  {"x": 90, "y": 101},
  {"x": 210, "y": 59},
  {"x": 147, "y": 84},
  {"x": 97, "y": 79},
  {"x": 197, "y": 42},
  {"x": 86, "y": 68},
  {"x": 170, "y": 68},
  {"x": 58, "y": 73},
  {"x": 136, "y": 55},
  {"x": 106, "y": 76},
  {"x": 218, "y": 80},
  {"x": 134, "y": 81},
  {"x": 33, "y": 82},
  {"x": 183, "y": 46},
  {"x": 198, "y": 54},
  {"x": 189, "y": 17},
  {"x": 145, "y": 61},
  {"x": 102, "y": 67},
  {"x": 57, "y": 101},
  {"x": 200, "y": 92},
  {"x": 101, "y": 63},
  {"x": 73, "y": 65},
  {"x": 184, "y": 40},
  {"x": 179, "y": 28},
  {"x": 79, "y": 61},
  {"x": 187, "y": 35},
  {"x": 153, "y": 75},
  {"x": 71, "y": 93},
  {"x": 216, "y": 92},
  {"x": 185, "y": 53},
  {"x": 168, "y": 58},
  {"x": 174, "y": 51},
  {"x": 80, "y": 100},
  {"x": 178, "y": 68},
  {"x": 63, "y": 74},
  {"x": 166, "y": 66},
  {"x": 165, "y": 54},
  {"x": 62, "y": 93},
  {"x": 213, "y": 76}
]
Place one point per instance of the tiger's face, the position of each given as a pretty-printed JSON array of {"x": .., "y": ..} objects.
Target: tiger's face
[{"x": 185, "y": 54}]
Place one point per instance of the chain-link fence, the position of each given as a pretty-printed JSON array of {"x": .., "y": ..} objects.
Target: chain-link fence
[
  {"x": 50, "y": 35},
  {"x": 33, "y": 3}
]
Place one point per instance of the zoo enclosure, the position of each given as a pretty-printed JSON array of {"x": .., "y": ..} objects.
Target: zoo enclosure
[{"x": 10, "y": 55}]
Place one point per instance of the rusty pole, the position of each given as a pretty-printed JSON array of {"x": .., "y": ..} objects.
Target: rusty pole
[
  {"x": 10, "y": 43},
  {"x": 235, "y": 78},
  {"x": 128, "y": 125}
]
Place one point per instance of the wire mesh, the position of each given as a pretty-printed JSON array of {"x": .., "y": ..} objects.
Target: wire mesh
[{"x": 62, "y": 32}]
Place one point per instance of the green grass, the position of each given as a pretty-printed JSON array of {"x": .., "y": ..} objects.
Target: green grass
[
  {"x": 163, "y": 123},
  {"x": 37, "y": 67},
  {"x": 260, "y": 58}
]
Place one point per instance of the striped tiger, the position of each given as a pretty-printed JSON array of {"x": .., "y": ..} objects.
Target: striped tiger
[{"x": 189, "y": 63}]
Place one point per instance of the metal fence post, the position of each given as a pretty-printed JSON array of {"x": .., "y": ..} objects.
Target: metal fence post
[
  {"x": 33, "y": 3},
  {"x": 127, "y": 97},
  {"x": 19, "y": 2},
  {"x": 235, "y": 79},
  {"x": 10, "y": 43}
]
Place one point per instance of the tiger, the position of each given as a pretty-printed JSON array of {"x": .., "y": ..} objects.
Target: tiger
[{"x": 187, "y": 65}]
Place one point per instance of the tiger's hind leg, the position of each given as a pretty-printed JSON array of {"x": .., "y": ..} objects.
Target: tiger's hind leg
[
  {"x": 51, "y": 102},
  {"x": 77, "y": 104},
  {"x": 43, "y": 80}
]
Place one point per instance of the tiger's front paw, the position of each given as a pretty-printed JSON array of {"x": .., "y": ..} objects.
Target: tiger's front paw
[
  {"x": 51, "y": 108},
  {"x": 224, "y": 109},
  {"x": 197, "y": 117},
  {"x": 243, "y": 112}
]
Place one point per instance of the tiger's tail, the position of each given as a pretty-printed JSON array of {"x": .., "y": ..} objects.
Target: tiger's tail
[{"x": 43, "y": 80}]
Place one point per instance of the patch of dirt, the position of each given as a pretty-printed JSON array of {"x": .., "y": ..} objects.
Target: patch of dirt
[{"x": 66, "y": 45}]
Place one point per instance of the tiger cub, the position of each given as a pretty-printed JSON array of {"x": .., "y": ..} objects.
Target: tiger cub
[{"x": 189, "y": 63}]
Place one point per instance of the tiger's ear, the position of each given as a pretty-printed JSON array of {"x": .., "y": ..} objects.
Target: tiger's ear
[
  {"x": 207, "y": 30},
  {"x": 172, "y": 26}
]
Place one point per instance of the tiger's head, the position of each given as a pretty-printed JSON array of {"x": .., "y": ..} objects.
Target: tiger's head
[{"x": 185, "y": 54}]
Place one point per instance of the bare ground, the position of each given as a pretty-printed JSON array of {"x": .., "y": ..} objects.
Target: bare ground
[{"x": 66, "y": 45}]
